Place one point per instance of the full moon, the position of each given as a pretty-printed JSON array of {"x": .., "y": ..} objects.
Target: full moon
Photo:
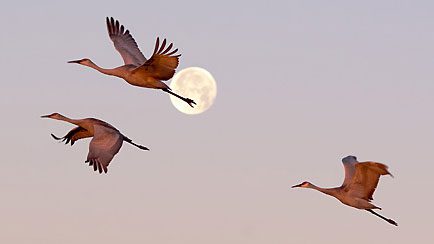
[{"x": 197, "y": 84}]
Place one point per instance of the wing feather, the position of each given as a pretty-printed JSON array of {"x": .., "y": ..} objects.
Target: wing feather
[
  {"x": 162, "y": 64},
  {"x": 168, "y": 48},
  {"x": 103, "y": 147},
  {"x": 124, "y": 43},
  {"x": 74, "y": 135},
  {"x": 349, "y": 163},
  {"x": 365, "y": 179}
]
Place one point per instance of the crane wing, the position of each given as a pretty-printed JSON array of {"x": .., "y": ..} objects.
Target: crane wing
[
  {"x": 124, "y": 43},
  {"x": 365, "y": 179},
  {"x": 103, "y": 147},
  {"x": 162, "y": 63},
  {"x": 349, "y": 167},
  {"x": 74, "y": 135}
]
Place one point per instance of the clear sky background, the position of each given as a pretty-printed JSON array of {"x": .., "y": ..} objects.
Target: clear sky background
[{"x": 301, "y": 84}]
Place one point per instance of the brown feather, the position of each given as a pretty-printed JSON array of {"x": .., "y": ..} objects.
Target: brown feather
[
  {"x": 162, "y": 64},
  {"x": 366, "y": 178},
  {"x": 75, "y": 134}
]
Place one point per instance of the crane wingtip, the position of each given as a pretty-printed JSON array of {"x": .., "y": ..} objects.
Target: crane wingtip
[{"x": 55, "y": 137}]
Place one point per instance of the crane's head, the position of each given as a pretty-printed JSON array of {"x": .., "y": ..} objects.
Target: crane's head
[
  {"x": 305, "y": 184},
  {"x": 349, "y": 159},
  {"x": 84, "y": 61},
  {"x": 52, "y": 116}
]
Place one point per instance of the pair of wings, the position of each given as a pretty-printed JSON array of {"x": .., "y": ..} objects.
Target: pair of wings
[
  {"x": 105, "y": 144},
  {"x": 361, "y": 178},
  {"x": 161, "y": 65}
]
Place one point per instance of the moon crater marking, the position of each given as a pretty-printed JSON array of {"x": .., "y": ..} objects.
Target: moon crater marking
[{"x": 195, "y": 83}]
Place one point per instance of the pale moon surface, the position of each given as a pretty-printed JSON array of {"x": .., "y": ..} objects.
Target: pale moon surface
[{"x": 195, "y": 83}]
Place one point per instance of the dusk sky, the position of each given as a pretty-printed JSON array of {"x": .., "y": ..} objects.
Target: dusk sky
[{"x": 301, "y": 84}]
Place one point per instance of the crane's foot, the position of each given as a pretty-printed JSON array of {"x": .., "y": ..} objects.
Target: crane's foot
[
  {"x": 190, "y": 102},
  {"x": 391, "y": 221}
]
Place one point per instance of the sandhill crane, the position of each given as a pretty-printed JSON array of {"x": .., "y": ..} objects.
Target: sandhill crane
[
  {"x": 361, "y": 179},
  {"x": 105, "y": 144},
  {"x": 138, "y": 70}
]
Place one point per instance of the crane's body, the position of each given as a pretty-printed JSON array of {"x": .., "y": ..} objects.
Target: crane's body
[
  {"x": 139, "y": 71},
  {"x": 106, "y": 141},
  {"x": 340, "y": 194},
  {"x": 128, "y": 73},
  {"x": 361, "y": 180}
]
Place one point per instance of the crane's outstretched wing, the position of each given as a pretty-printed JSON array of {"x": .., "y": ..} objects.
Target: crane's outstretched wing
[
  {"x": 162, "y": 64},
  {"x": 365, "y": 179},
  {"x": 103, "y": 147},
  {"x": 124, "y": 43},
  {"x": 349, "y": 163},
  {"x": 75, "y": 134}
]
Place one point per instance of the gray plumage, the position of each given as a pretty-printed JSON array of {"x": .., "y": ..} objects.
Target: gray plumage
[
  {"x": 106, "y": 139},
  {"x": 137, "y": 70},
  {"x": 361, "y": 180}
]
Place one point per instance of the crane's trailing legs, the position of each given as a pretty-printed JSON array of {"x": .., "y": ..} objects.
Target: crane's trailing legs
[
  {"x": 187, "y": 100},
  {"x": 361, "y": 180},
  {"x": 106, "y": 139},
  {"x": 134, "y": 144},
  {"x": 139, "y": 71},
  {"x": 390, "y": 221}
]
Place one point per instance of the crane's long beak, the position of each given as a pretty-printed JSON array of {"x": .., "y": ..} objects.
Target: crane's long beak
[
  {"x": 45, "y": 116},
  {"x": 74, "y": 62},
  {"x": 299, "y": 185}
]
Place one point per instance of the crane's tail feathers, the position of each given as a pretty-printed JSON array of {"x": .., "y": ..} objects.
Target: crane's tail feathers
[
  {"x": 185, "y": 99},
  {"x": 390, "y": 221},
  {"x": 134, "y": 144}
]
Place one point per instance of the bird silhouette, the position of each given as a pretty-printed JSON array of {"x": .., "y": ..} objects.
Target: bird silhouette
[
  {"x": 105, "y": 144},
  {"x": 139, "y": 71},
  {"x": 361, "y": 180}
]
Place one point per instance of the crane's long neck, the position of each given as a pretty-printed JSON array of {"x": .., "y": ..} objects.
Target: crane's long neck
[
  {"x": 328, "y": 191},
  {"x": 102, "y": 70},
  {"x": 72, "y": 121}
]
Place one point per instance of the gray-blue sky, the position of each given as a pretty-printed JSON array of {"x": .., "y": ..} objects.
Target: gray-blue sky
[{"x": 301, "y": 84}]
